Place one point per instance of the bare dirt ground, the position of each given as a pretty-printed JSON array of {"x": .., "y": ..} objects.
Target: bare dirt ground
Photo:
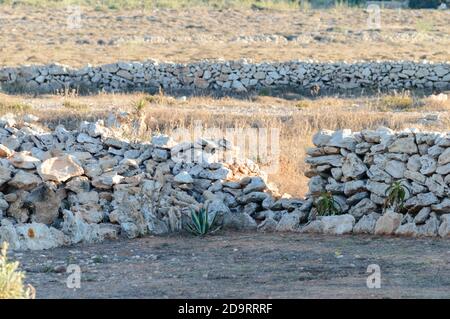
[
  {"x": 36, "y": 35},
  {"x": 244, "y": 265}
]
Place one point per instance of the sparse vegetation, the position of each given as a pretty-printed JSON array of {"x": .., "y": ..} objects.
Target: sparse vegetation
[
  {"x": 74, "y": 105},
  {"x": 162, "y": 4},
  {"x": 402, "y": 101},
  {"x": 11, "y": 279},
  {"x": 139, "y": 106},
  {"x": 326, "y": 205},
  {"x": 395, "y": 196},
  {"x": 303, "y": 104},
  {"x": 14, "y": 107}
]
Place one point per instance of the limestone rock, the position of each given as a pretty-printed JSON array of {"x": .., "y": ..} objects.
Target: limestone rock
[
  {"x": 257, "y": 184},
  {"x": 444, "y": 158},
  {"x": 423, "y": 215},
  {"x": 24, "y": 160},
  {"x": 313, "y": 227},
  {"x": 77, "y": 230},
  {"x": 289, "y": 222},
  {"x": 36, "y": 236},
  {"x": 444, "y": 229},
  {"x": 24, "y": 180},
  {"x": 408, "y": 229},
  {"x": 353, "y": 166},
  {"x": 364, "y": 207},
  {"x": 430, "y": 229},
  {"x": 395, "y": 168},
  {"x": 44, "y": 204},
  {"x": 8, "y": 234},
  {"x": 5, "y": 174},
  {"x": 338, "y": 225},
  {"x": 404, "y": 145},
  {"x": 353, "y": 187},
  {"x": 366, "y": 225},
  {"x": 239, "y": 221},
  {"x": 422, "y": 200},
  {"x": 388, "y": 223},
  {"x": 267, "y": 225},
  {"x": 5, "y": 151},
  {"x": 16, "y": 208},
  {"x": 107, "y": 180},
  {"x": 79, "y": 184},
  {"x": 322, "y": 137},
  {"x": 183, "y": 178},
  {"x": 428, "y": 165},
  {"x": 443, "y": 207},
  {"x": 60, "y": 169}
]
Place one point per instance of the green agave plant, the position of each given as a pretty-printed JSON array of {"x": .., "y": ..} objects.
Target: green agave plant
[
  {"x": 326, "y": 205},
  {"x": 200, "y": 224},
  {"x": 395, "y": 196}
]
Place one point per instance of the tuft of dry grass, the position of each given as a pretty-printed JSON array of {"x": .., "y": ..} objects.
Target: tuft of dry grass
[
  {"x": 11, "y": 279},
  {"x": 13, "y": 104},
  {"x": 303, "y": 104},
  {"x": 75, "y": 106},
  {"x": 402, "y": 101}
]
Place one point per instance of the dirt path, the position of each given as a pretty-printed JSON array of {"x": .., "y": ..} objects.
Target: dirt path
[{"x": 244, "y": 265}]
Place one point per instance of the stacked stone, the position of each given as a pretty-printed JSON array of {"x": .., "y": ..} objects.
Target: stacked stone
[
  {"x": 237, "y": 76},
  {"x": 359, "y": 167},
  {"x": 63, "y": 187}
]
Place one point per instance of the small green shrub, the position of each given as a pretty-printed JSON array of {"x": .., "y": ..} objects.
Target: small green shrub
[
  {"x": 326, "y": 205},
  {"x": 395, "y": 196},
  {"x": 199, "y": 224},
  {"x": 11, "y": 280}
]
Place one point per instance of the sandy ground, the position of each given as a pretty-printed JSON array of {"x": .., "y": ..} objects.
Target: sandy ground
[{"x": 244, "y": 265}]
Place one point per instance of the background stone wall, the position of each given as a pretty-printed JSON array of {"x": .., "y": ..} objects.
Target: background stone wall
[
  {"x": 237, "y": 76},
  {"x": 359, "y": 167}
]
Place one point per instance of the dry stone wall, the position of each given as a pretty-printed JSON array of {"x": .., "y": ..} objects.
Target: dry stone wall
[
  {"x": 61, "y": 187},
  {"x": 239, "y": 76},
  {"x": 359, "y": 167}
]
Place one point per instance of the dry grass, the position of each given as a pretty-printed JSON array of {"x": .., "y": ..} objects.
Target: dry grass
[
  {"x": 402, "y": 101},
  {"x": 162, "y": 4},
  {"x": 11, "y": 278},
  {"x": 34, "y": 35},
  {"x": 164, "y": 114}
]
